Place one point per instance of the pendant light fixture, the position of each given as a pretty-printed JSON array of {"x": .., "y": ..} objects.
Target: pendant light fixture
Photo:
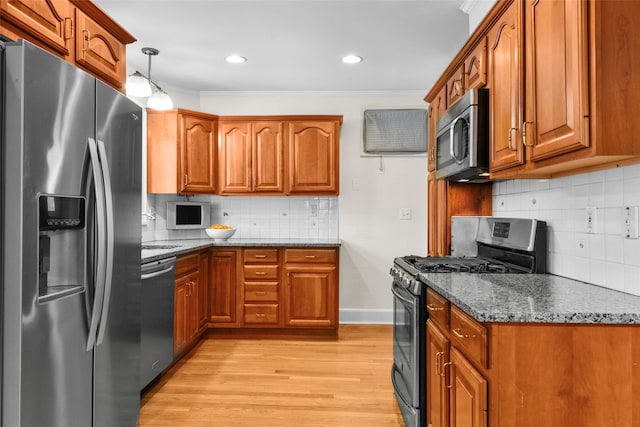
[{"x": 140, "y": 86}]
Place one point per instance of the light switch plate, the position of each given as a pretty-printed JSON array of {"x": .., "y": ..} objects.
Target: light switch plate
[{"x": 405, "y": 213}]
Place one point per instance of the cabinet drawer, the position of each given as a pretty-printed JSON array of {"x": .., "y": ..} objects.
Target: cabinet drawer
[
  {"x": 187, "y": 263},
  {"x": 438, "y": 309},
  {"x": 261, "y": 313},
  {"x": 260, "y": 272},
  {"x": 261, "y": 292},
  {"x": 325, "y": 256},
  {"x": 260, "y": 255},
  {"x": 469, "y": 336}
]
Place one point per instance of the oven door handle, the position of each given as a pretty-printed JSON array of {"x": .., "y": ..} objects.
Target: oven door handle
[{"x": 402, "y": 298}]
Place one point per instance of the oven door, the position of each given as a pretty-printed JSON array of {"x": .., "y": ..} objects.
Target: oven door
[{"x": 406, "y": 347}]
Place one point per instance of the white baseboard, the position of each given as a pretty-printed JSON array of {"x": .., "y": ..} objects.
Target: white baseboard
[{"x": 366, "y": 316}]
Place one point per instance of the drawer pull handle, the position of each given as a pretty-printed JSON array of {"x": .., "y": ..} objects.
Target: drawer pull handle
[
  {"x": 438, "y": 356},
  {"x": 444, "y": 368},
  {"x": 432, "y": 307},
  {"x": 260, "y": 273},
  {"x": 458, "y": 332},
  {"x": 310, "y": 256},
  {"x": 260, "y": 315},
  {"x": 261, "y": 256},
  {"x": 261, "y": 293}
]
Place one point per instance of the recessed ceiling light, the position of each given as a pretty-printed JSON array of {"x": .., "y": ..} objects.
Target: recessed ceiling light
[
  {"x": 235, "y": 59},
  {"x": 351, "y": 59}
]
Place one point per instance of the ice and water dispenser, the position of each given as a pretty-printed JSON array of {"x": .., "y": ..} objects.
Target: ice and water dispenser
[{"x": 61, "y": 246}]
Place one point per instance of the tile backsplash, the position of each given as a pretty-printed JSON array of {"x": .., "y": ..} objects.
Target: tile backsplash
[
  {"x": 603, "y": 256},
  {"x": 253, "y": 217}
]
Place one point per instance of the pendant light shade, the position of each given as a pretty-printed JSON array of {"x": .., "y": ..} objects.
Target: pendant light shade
[
  {"x": 140, "y": 86},
  {"x": 159, "y": 100}
]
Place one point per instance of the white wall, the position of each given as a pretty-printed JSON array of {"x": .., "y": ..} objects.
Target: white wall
[
  {"x": 604, "y": 257},
  {"x": 371, "y": 233}
]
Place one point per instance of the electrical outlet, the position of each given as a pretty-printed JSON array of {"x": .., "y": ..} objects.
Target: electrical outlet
[
  {"x": 405, "y": 213},
  {"x": 591, "y": 219},
  {"x": 630, "y": 222}
]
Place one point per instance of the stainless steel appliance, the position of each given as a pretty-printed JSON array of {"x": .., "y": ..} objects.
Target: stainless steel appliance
[
  {"x": 70, "y": 245},
  {"x": 504, "y": 245},
  {"x": 462, "y": 139},
  {"x": 188, "y": 215},
  {"x": 156, "y": 330}
]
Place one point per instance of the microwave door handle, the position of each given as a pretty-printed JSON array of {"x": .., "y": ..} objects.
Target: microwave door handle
[{"x": 451, "y": 140}]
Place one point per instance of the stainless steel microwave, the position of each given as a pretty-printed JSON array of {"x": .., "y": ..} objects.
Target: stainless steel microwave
[
  {"x": 462, "y": 139},
  {"x": 188, "y": 215}
]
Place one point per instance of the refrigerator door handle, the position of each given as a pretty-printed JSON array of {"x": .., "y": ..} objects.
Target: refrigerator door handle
[
  {"x": 108, "y": 201},
  {"x": 100, "y": 255}
]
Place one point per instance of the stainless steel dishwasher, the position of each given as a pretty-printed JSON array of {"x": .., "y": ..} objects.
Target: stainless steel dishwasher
[{"x": 156, "y": 331}]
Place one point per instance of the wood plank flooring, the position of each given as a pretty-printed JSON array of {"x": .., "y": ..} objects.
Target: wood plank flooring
[{"x": 274, "y": 382}]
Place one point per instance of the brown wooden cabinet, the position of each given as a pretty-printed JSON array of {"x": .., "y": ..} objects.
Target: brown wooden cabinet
[
  {"x": 251, "y": 157},
  {"x": 436, "y": 108},
  {"x": 187, "y": 325},
  {"x": 528, "y": 374},
  {"x": 455, "y": 85},
  {"x": 223, "y": 288},
  {"x": 505, "y": 91},
  {"x": 181, "y": 152},
  {"x": 311, "y": 291},
  {"x": 75, "y": 30},
  {"x": 261, "y": 278},
  {"x": 557, "y": 94},
  {"x": 475, "y": 66},
  {"x": 313, "y": 156},
  {"x": 457, "y": 391}
]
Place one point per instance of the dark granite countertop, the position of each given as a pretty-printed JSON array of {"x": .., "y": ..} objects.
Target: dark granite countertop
[
  {"x": 537, "y": 298},
  {"x": 169, "y": 248}
]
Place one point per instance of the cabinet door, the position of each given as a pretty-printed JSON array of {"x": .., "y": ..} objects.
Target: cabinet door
[
  {"x": 197, "y": 150},
  {"x": 313, "y": 157},
  {"x": 203, "y": 291},
  {"x": 475, "y": 66},
  {"x": 223, "y": 284},
  {"x": 455, "y": 86},
  {"x": 44, "y": 20},
  {"x": 234, "y": 150},
  {"x": 437, "y": 216},
  {"x": 180, "y": 333},
  {"x": 437, "y": 391},
  {"x": 193, "y": 318},
  {"x": 505, "y": 91},
  {"x": 99, "y": 51},
  {"x": 468, "y": 393},
  {"x": 436, "y": 108},
  {"x": 310, "y": 296},
  {"x": 556, "y": 79},
  {"x": 268, "y": 157}
]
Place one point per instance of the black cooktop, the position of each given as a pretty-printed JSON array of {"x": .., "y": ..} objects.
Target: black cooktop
[{"x": 459, "y": 265}]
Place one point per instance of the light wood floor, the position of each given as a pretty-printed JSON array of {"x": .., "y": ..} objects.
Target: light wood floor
[{"x": 243, "y": 382}]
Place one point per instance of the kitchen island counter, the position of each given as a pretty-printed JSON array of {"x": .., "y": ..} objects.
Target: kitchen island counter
[
  {"x": 534, "y": 298},
  {"x": 167, "y": 248}
]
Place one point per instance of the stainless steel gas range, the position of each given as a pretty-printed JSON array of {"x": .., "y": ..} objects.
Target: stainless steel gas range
[{"x": 503, "y": 245}]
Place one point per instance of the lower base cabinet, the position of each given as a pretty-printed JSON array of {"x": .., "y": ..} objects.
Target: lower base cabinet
[
  {"x": 189, "y": 292},
  {"x": 264, "y": 290},
  {"x": 529, "y": 374}
]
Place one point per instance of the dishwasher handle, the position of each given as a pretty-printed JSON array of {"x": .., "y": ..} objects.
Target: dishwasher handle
[{"x": 157, "y": 268}]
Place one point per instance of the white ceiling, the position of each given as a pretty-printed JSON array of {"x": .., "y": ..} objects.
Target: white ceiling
[{"x": 293, "y": 45}]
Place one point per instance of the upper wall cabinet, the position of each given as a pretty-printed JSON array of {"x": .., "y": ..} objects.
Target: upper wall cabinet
[
  {"x": 76, "y": 30},
  {"x": 251, "y": 157},
  {"x": 563, "y": 93},
  {"x": 181, "y": 152},
  {"x": 313, "y": 156},
  {"x": 279, "y": 155}
]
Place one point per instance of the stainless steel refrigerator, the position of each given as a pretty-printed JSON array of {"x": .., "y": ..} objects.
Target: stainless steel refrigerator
[{"x": 70, "y": 245}]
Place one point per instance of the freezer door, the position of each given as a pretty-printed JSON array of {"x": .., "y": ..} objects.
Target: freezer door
[
  {"x": 117, "y": 352},
  {"x": 47, "y": 372}
]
